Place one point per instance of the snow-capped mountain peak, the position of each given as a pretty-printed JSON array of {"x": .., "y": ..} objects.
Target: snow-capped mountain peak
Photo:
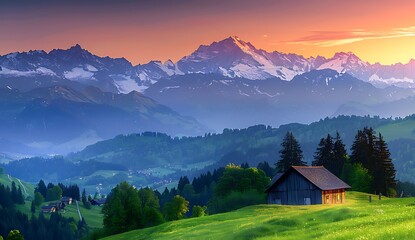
[
  {"x": 231, "y": 57},
  {"x": 343, "y": 62}
]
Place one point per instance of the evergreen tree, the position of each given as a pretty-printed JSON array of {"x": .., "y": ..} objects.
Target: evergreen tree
[
  {"x": 264, "y": 166},
  {"x": 363, "y": 149},
  {"x": 339, "y": 156},
  {"x": 41, "y": 188},
  {"x": 373, "y": 154},
  {"x": 182, "y": 181},
  {"x": 324, "y": 154},
  {"x": 32, "y": 207},
  {"x": 54, "y": 193},
  {"x": 384, "y": 177},
  {"x": 14, "y": 193},
  {"x": 245, "y": 165},
  {"x": 291, "y": 154},
  {"x": 20, "y": 197},
  {"x": 39, "y": 199}
]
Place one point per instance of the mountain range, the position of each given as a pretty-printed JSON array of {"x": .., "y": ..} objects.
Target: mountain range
[
  {"x": 63, "y": 97},
  {"x": 59, "y": 119},
  {"x": 231, "y": 57}
]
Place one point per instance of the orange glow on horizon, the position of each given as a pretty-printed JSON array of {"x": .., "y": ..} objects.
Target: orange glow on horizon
[{"x": 375, "y": 31}]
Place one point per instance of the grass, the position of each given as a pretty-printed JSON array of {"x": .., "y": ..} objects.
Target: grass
[
  {"x": 357, "y": 219},
  {"x": 93, "y": 216},
  {"x": 398, "y": 130},
  {"x": 7, "y": 181}
]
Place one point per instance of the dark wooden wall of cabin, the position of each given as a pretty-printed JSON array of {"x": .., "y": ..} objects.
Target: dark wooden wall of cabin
[{"x": 294, "y": 189}]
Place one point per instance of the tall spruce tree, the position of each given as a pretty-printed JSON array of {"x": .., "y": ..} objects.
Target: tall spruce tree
[
  {"x": 291, "y": 154},
  {"x": 324, "y": 154},
  {"x": 384, "y": 177},
  {"x": 363, "y": 149},
  {"x": 339, "y": 156},
  {"x": 373, "y": 154},
  {"x": 331, "y": 155}
]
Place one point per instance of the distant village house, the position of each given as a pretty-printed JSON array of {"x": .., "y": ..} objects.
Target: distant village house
[
  {"x": 98, "y": 202},
  {"x": 66, "y": 200},
  {"x": 48, "y": 209},
  {"x": 304, "y": 185}
]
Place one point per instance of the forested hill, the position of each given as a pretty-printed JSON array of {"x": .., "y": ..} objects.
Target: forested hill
[{"x": 252, "y": 145}]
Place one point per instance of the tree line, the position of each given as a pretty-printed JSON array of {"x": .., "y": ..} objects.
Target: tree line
[
  {"x": 369, "y": 167},
  {"x": 223, "y": 190},
  {"x": 52, "y": 192},
  {"x": 17, "y": 225}
]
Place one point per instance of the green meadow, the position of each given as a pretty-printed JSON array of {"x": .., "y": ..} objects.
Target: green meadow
[
  {"x": 357, "y": 219},
  {"x": 27, "y": 188}
]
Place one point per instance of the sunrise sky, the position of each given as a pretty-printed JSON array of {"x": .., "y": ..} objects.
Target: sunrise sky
[{"x": 144, "y": 30}]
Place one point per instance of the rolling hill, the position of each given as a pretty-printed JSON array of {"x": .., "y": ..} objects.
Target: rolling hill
[
  {"x": 60, "y": 119},
  {"x": 357, "y": 219},
  {"x": 27, "y": 188}
]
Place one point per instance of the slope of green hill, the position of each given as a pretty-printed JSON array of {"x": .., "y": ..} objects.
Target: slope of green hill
[
  {"x": 399, "y": 129},
  {"x": 357, "y": 219},
  {"x": 93, "y": 217},
  {"x": 27, "y": 188}
]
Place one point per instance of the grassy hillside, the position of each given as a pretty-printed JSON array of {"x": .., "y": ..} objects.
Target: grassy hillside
[
  {"x": 357, "y": 219},
  {"x": 7, "y": 180},
  {"x": 398, "y": 130},
  {"x": 93, "y": 216}
]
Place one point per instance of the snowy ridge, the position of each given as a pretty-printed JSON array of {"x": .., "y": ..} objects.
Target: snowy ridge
[{"x": 230, "y": 57}]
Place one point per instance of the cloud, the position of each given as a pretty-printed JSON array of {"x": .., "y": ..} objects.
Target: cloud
[{"x": 335, "y": 38}]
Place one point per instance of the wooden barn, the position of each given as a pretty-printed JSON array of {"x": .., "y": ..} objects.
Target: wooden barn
[{"x": 303, "y": 185}]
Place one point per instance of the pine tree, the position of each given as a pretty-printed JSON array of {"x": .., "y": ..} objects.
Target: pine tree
[
  {"x": 324, "y": 154},
  {"x": 182, "y": 182},
  {"x": 291, "y": 154},
  {"x": 363, "y": 149},
  {"x": 20, "y": 197},
  {"x": 14, "y": 193},
  {"x": 339, "y": 156},
  {"x": 373, "y": 154},
  {"x": 264, "y": 166},
  {"x": 331, "y": 155},
  {"x": 32, "y": 207},
  {"x": 384, "y": 177},
  {"x": 41, "y": 188}
]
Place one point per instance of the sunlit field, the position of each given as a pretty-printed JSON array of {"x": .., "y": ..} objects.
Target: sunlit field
[{"x": 357, "y": 219}]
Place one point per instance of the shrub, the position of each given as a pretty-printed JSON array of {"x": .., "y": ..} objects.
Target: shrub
[{"x": 198, "y": 211}]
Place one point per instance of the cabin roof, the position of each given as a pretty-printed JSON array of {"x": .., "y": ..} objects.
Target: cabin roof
[
  {"x": 48, "y": 207},
  {"x": 318, "y": 175},
  {"x": 99, "y": 201}
]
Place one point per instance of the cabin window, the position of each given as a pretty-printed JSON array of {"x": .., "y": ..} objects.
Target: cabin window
[{"x": 327, "y": 198}]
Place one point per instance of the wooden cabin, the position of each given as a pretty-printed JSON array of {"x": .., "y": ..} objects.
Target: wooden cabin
[
  {"x": 48, "y": 209},
  {"x": 98, "y": 202},
  {"x": 304, "y": 185},
  {"x": 66, "y": 200}
]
